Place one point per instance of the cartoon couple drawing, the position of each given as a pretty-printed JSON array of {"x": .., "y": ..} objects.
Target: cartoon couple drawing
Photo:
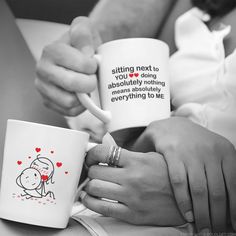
[{"x": 33, "y": 179}]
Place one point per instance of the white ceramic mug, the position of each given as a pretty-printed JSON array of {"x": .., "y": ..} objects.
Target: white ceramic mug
[
  {"x": 41, "y": 170},
  {"x": 133, "y": 83}
]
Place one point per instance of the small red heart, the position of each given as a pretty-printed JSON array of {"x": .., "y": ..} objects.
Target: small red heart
[
  {"x": 66, "y": 172},
  {"x": 44, "y": 178},
  {"x": 131, "y": 75},
  {"x": 136, "y": 74},
  {"x": 37, "y": 149},
  {"x": 59, "y": 164},
  {"x": 19, "y": 162}
]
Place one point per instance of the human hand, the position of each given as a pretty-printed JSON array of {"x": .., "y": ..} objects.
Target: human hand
[
  {"x": 201, "y": 161},
  {"x": 67, "y": 66},
  {"x": 140, "y": 185}
]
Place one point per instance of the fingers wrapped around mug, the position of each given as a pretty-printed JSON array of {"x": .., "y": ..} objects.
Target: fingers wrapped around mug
[
  {"x": 110, "y": 155},
  {"x": 131, "y": 186},
  {"x": 104, "y": 192},
  {"x": 64, "y": 70}
]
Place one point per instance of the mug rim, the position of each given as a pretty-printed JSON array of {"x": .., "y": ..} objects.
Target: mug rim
[
  {"x": 9, "y": 121},
  {"x": 133, "y": 39}
]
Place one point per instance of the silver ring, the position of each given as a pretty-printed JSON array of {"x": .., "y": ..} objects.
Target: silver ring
[{"x": 114, "y": 156}]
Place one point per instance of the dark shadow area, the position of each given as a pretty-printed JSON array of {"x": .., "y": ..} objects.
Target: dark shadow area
[{"x": 61, "y": 11}]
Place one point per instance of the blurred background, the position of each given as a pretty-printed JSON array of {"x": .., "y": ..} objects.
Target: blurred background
[{"x": 60, "y": 11}]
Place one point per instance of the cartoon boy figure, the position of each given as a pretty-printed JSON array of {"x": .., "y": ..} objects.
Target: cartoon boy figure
[{"x": 30, "y": 181}]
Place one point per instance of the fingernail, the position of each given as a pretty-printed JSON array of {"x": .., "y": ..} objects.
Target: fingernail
[
  {"x": 205, "y": 232},
  {"x": 82, "y": 195},
  {"x": 88, "y": 51},
  {"x": 189, "y": 216}
]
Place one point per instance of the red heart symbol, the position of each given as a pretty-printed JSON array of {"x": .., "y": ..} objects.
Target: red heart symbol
[
  {"x": 44, "y": 178},
  {"x": 59, "y": 164},
  {"x": 37, "y": 149},
  {"x": 19, "y": 162},
  {"x": 136, "y": 74},
  {"x": 66, "y": 172},
  {"x": 131, "y": 75}
]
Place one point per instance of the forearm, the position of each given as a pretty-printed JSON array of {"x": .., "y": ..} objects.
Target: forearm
[{"x": 129, "y": 18}]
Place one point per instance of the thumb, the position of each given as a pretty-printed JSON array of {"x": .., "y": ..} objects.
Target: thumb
[{"x": 83, "y": 36}]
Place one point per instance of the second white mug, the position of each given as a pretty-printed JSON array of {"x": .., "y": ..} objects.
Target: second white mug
[{"x": 41, "y": 170}]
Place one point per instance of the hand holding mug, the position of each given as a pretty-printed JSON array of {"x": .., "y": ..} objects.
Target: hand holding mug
[
  {"x": 139, "y": 186},
  {"x": 133, "y": 77},
  {"x": 67, "y": 66}
]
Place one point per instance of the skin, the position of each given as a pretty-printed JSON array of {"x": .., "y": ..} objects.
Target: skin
[
  {"x": 144, "y": 197},
  {"x": 201, "y": 166},
  {"x": 67, "y": 66}
]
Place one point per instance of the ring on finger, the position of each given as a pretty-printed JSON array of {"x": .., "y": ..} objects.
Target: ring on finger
[{"x": 114, "y": 156}]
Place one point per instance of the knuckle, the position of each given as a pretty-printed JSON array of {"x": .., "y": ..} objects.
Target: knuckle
[
  {"x": 89, "y": 65},
  {"x": 70, "y": 101},
  {"x": 102, "y": 150},
  {"x": 47, "y": 50},
  {"x": 69, "y": 83},
  {"x": 177, "y": 179},
  {"x": 108, "y": 209},
  {"x": 151, "y": 128},
  {"x": 217, "y": 195},
  {"x": 135, "y": 179},
  {"x": 72, "y": 83},
  {"x": 93, "y": 187},
  {"x": 223, "y": 145},
  {"x": 167, "y": 144},
  {"x": 80, "y": 20},
  {"x": 198, "y": 189},
  {"x": 153, "y": 125},
  {"x": 230, "y": 148},
  {"x": 72, "y": 112},
  {"x": 40, "y": 69},
  {"x": 92, "y": 172},
  {"x": 159, "y": 126},
  {"x": 173, "y": 145},
  {"x": 85, "y": 200},
  {"x": 57, "y": 52},
  {"x": 136, "y": 218},
  {"x": 184, "y": 204}
]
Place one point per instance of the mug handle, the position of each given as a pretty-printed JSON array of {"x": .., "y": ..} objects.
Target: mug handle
[
  {"x": 86, "y": 101},
  {"x": 78, "y": 206}
]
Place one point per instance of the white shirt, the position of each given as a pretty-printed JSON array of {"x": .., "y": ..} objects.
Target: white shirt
[{"x": 203, "y": 80}]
